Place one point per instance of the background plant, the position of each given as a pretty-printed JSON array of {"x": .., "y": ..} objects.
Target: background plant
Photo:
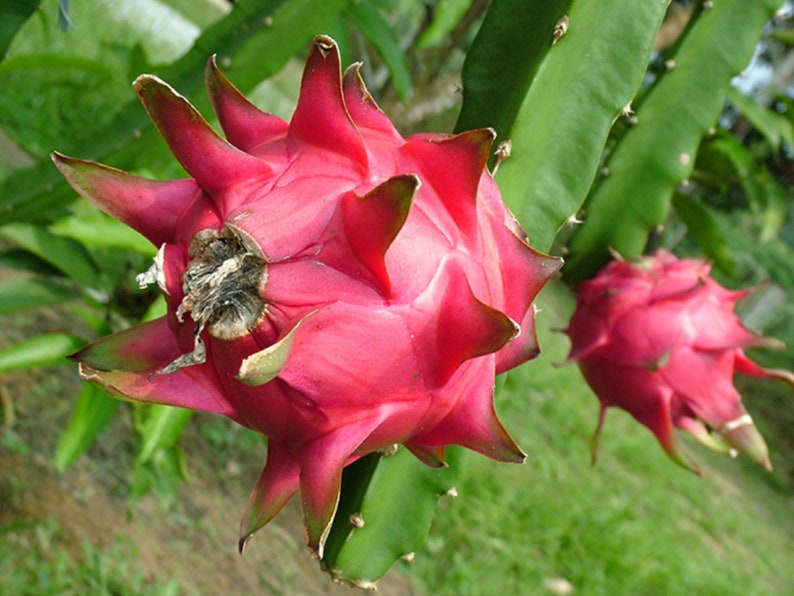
[{"x": 646, "y": 145}]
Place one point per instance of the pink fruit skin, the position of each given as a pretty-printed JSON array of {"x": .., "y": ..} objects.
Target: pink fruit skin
[
  {"x": 659, "y": 339},
  {"x": 394, "y": 283}
]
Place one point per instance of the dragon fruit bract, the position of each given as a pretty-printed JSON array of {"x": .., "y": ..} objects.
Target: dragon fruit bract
[
  {"x": 659, "y": 339},
  {"x": 329, "y": 284}
]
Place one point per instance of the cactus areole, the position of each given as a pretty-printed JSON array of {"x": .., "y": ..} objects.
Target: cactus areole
[{"x": 329, "y": 283}]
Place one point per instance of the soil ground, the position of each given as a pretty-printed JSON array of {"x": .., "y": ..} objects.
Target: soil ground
[{"x": 193, "y": 539}]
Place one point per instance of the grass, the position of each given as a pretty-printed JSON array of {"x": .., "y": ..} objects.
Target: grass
[
  {"x": 634, "y": 523},
  {"x": 35, "y": 561}
]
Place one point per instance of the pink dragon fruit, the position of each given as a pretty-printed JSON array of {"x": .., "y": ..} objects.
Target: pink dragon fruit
[
  {"x": 659, "y": 338},
  {"x": 329, "y": 284}
]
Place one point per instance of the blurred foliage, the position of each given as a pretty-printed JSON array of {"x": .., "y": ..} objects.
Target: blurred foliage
[
  {"x": 634, "y": 118},
  {"x": 657, "y": 153}
]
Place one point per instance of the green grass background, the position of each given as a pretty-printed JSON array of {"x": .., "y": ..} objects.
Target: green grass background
[{"x": 636, "y": 523}]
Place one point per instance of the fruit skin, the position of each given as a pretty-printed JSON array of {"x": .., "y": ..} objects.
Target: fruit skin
[
  {"x": 329, "y": 284},
  {"x": 659, "y": 339}
]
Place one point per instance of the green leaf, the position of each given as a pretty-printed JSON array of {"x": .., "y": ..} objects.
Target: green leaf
[
  {"x": 20, "y": 294},
  {"x": 19, "y": 259},
  {"x": 722, "y": 159},
  {"x": 381, "y": 35},
  {"x": 580, "y": 87},
  {"x": 290, "y": 29},
  {"x": 396, "y": 507},
  {"x": 775, "y": 127},
  {"x": 446, "y": 15},
  {"x": 94, "y": 410},
  {"x": 705, "y": 229},
  {"x": 784, "y": 36},
  {"x": 42, "y": 350},
  {"x": 95, "y": 229},
  {"x": 13, "y": 15},
  {"x": 31, "y": 62},
  {"x": 65, "y": 254},
  {"x": 161, "y": 429},
  {"x": 658, "y": 153},
  {"x": 257, "y": 37},
  {"x": 774, "y": 208},
  {"x": 159, "y": 462},
  {"x": 163, "y": 473},
  {"x": 156, "y": 309},
  {"x": 202, "y": 13}
]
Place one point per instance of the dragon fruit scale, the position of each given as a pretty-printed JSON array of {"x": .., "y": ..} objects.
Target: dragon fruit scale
[
  {"x": 659, "y": 338},
  {"x": 329, "y": 284}
]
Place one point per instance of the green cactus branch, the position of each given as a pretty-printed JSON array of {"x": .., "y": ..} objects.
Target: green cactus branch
[
  {"x": 384, "y": 514},
  {"x": 582, "y": 84},
  {"x": 521, "y": 30},
  {"x": 14, "y": 15},
  {"x": 659, "y": 152}
]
